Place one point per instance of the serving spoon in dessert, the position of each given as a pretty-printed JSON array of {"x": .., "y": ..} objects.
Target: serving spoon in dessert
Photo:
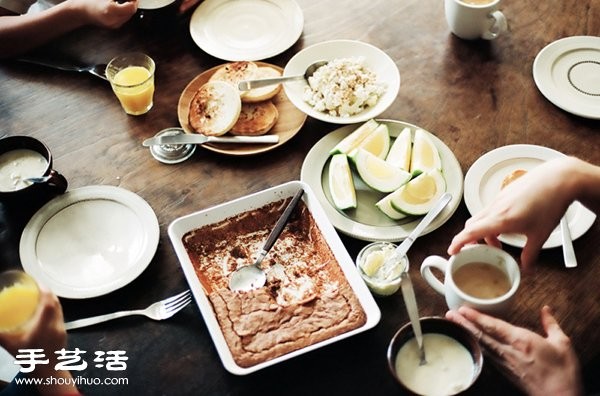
[
  {"x": 252, "y": 276},
  {"x": 264, "y": 82}
]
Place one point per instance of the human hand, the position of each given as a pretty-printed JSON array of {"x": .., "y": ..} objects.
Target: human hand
[
  {"x": 531, "y": 205},
  {"x": 538, "y": 365},
  {"x": 106, "y": 13}
]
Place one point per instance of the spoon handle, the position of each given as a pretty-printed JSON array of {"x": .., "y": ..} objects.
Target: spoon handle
[
  {"x": 282, "y": 221},
  {"x": 264, "y": 82},
  {"x": 567, "y": 242},
  {"x": 413, "y": 311}
]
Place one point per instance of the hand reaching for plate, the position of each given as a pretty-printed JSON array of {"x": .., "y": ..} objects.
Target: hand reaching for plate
[{"x": 533, "y": 205}]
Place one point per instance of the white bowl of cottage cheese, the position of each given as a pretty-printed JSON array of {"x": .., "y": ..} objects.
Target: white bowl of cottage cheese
[{"x": 359, "y": 82}]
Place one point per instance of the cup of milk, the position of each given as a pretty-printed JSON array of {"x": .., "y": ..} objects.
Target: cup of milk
[
  {"x": 453, "y": 358},
  {"x": 21, "y": 158}
]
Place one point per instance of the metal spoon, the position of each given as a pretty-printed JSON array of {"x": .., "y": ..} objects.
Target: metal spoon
[
  {"x": 413, "y": 313},
  {"x": 250, "y": 84},
  {"x": 42, "y": 179},
  {"x": 410, "y": 239},
  {"x": 252, "y": 276}
]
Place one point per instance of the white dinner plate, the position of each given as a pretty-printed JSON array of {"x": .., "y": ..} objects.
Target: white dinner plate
[
  {"x": 567, "y": 73},
  {"x": 375, "y": 59},
  {"x": 250, "y": 30},
  {"x": 89, "y": 241},
  {"x": 367, "y": 222},
  {"x": 484, "y": 179}
]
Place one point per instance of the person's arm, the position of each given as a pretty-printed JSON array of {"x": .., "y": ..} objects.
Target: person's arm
[
  {"x": 533, "y": 205},
  {"x": 48, "y": 333},
  {"x": 21, "y": 33},
  {"x": 538, "y": 365}
]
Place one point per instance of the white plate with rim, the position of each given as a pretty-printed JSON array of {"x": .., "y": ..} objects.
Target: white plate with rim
[
  {"x": 567, "y": 73},
  {"x": 367, "y": 222},
  {"x": 236, "y": 30},
  {"x": 179, "y": 227},
  {"x": 483, "y": 182},
  {"x": 154, "y": 4},
  {"x": 89, "y": 241},
  {"x": 375, "y": 59}
]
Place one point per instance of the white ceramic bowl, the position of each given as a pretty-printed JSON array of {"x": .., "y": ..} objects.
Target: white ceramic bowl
[
  {"x": 375, "y": 59},
  {"x": 182, "y": 225}
]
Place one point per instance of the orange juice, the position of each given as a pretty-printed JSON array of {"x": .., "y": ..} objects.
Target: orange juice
[
  {"x": 19, "y": 298},
  {"x": 134, "y": 86}
]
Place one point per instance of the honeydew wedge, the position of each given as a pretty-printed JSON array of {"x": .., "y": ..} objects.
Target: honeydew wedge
[
  {"x": 377, "y": 142},
  {"x": 378, "y": 174},
  {"x": 418, "y": 195},
  {"x": 341, "y": 184},
  {"x": 400, "y": 151},
  {"x": 350, "y": 142},
  {"x": 425, "y": 155},
  {"x": 385, "y": 205}
]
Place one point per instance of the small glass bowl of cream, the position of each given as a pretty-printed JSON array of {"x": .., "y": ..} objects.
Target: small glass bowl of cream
[{"x": 382, "y": 277}]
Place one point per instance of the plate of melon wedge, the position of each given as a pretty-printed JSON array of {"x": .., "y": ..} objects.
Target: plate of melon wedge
[{"x": 377, "y": 179}]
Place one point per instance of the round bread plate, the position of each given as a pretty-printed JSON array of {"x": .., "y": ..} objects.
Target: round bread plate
[
  {"x": 367, "y": 222},
  {"x": 288, "y": 124},
  {"x": 374, "y": 59},
  {"x": 567, "y": 73},
  {"x": 90, "y": 241},
  {"x": 236, "y": 30},
  {"x": 483, "y": 182},
  {"x": 154, "y": 4}
]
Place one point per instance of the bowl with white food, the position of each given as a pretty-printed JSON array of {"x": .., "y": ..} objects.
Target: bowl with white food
[
  {"x": 358, "y": 83},
  {"x": 453, "y": 358}
]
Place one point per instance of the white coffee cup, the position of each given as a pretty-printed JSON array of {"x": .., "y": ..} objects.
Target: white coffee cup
[
  {"x": 486, "y": 289},
  {"x": 475, "y": 19}
]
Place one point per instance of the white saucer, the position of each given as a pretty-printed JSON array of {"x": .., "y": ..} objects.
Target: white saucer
[
  {"x": 567, "y": 73},
  {"x": 250, "y": 30},
  {"x": 367, "y": 222},
  {"x": 89, "y": 241},
  {"x": 484, "y": 179}
]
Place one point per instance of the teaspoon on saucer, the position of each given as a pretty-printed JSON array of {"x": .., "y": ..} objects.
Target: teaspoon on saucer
[
  {"x": 567, "y": 244},
  {"x": 264, "y": 82},
  {"x": 252, "y": 276}
]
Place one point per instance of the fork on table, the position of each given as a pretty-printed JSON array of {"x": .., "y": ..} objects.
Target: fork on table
[{"x": 160, "y": 310}]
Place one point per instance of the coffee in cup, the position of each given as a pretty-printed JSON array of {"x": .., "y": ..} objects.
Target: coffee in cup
[
  {"x": 479, "y": 276},
  {"x": 475, "y": 19},
  {"x": 481, "y": 280}
]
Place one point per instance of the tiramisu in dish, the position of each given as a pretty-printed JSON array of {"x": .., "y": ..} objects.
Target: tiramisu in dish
[{"x": 307, "y": 298}]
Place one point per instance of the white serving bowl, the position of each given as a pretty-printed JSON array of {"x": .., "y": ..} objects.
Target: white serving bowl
[{"x": 375, "y": 59}]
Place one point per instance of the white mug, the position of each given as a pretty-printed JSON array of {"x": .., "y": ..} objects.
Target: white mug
[
  {"x": 474, "y": 21},
  {"x": 482, "y": 295}
]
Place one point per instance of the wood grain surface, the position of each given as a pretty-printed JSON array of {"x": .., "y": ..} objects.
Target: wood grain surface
[{"x": 474, "y": 95}]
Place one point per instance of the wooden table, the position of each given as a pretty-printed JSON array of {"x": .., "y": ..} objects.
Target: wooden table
[{"x": 475, "y": 96}]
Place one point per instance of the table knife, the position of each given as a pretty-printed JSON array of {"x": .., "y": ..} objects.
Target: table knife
[{"x": 189, "y": 138}]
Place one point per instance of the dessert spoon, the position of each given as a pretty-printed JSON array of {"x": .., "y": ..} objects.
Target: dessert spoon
[
  {"x": 408, "y": 292},
  {"x": 252, "y": 276},
  {"x": 263, "y": 82}
]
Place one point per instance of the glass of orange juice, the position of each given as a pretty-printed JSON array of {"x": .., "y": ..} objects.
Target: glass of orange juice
[
  {"x": 132, "y": 79},
  {"x": 19, "y": 300}
]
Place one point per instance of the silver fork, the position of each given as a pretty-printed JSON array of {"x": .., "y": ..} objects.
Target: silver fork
[{"x": 160, "y": 310}]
